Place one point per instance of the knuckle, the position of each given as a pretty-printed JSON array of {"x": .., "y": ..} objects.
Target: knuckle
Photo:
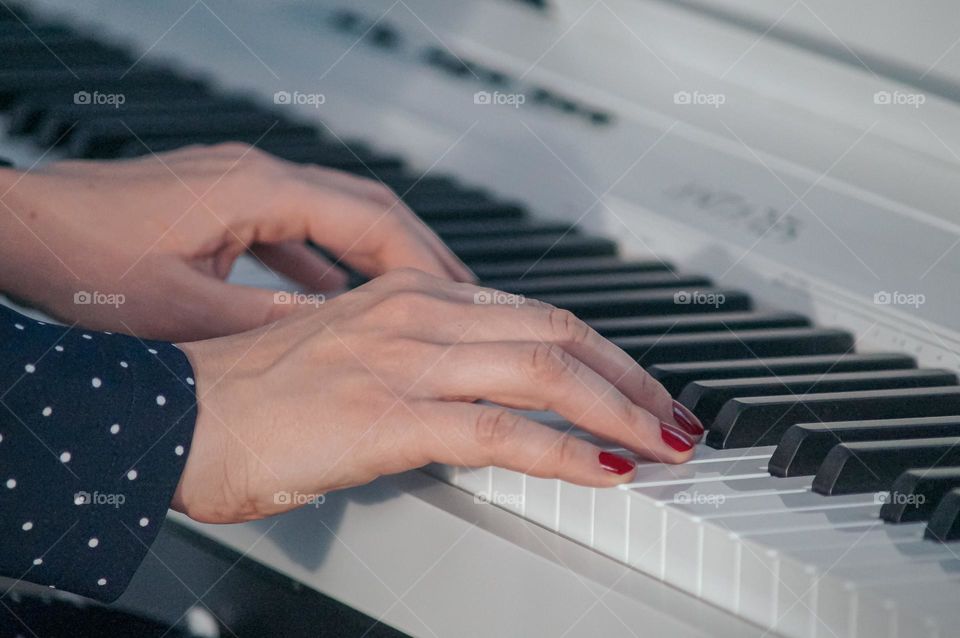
[
  {"x": 566, "y": 451},
  {"x": 566, "y": 326},
  {"x": 496, "y": 428},
  {"x": 548, "y": 363},
  {"x": 403, "y": 305}
]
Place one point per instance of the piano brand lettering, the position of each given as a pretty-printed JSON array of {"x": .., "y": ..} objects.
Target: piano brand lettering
[
  {"x": 516, "y": 100},
  {"x": 699, "y": 298},
  {"x": 498, "y": 498},
  {"x": 729, "y": 207},
  {"x": 284, "y": 298},
  {"x": 310, "y": 99},
  {"x": 498, "y": 298},
  {"x": 99, "y": 498},
  {"x": 899, "y": 98},
  {"x": 97, "y": 298},
  {"x": 895, "y": 298},
  {"x": 97, "y": 98},
  {"x": 696, "y": 98},
  {"x": 298, "y": 498}
]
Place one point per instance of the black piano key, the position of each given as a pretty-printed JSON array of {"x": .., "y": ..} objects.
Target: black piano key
[
  {"x": 14, "y": 83},
  {"x": 750, "y": 421},
  {"x": 724, "y": 345},
  {"x": 633, "y": 303},
  {"x": 59, "y": 57},
  {"x": 521, "y": 269},
  {"x": 435, "y": 210},
  {"x": 804, "y": 446},
  {"x": 679, "y": 324},
  {"x": 536, "y": 286},
  {"x": 411, "y": 187},
  {"x": 512, "y": 248},
  {"x": 915, "y": 494},
  {"x": 103, "y": 138},
  {"x": 873, "y": 466},
  {"x": 944, "y": 524},
  {"x": 485, "y": 227},
  {"x": 675, "y": 376},
  {"x": 706, "y": 397},
  {"x": 333, "y": 153}
]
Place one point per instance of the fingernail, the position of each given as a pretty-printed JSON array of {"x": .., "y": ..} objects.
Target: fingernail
[
  {"x": 687, "y": 419},
  {"x": 675, "y": 437},
  {"x": 616, "y": 464}
]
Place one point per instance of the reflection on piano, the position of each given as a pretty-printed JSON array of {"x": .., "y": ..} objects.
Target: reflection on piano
[{"x": 825, "y": 500}]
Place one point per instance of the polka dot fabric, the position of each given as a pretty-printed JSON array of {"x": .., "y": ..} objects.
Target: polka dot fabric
[{"x": 95, "y": 429}]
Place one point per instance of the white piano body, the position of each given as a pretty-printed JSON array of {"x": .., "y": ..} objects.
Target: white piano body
[{"x": 807, "y": 152}]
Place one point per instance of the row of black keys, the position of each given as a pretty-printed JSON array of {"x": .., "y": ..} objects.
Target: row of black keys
[{"x": 754, "y": 378}]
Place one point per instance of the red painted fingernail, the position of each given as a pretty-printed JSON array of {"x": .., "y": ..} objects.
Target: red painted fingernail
[
  {"x": 616, "y": 464},
  {"x": 675, "y": 438},
  {"x": 687, "y": 420}
]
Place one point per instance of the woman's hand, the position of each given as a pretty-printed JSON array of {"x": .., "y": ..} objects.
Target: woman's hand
[
  {"x": 384, "y": 378},
  {"x": 160, "y": 234}
]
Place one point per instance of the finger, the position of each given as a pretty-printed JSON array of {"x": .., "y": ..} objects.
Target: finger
[
  {"x": 477, "y": 436},
  {"x": 302, "y": 264},
  {"x": 542, "y": 376}
]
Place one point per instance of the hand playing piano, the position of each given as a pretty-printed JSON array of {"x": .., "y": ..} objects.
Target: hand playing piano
[
  {"x": 385, "y": 378},
  {"x": 163, "y": 232}
]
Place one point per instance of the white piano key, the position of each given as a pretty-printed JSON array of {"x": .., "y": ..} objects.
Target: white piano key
[
  {"x": 507, "y": 490},
  {"x": 611, "y": 522},
  {"x": 540, "y": 502},
  {"x": 575, "y": 512}
]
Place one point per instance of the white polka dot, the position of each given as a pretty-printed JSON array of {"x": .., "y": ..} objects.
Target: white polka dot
[
  {"x": 65, "y": 457},
  {"x": 102, "y": 582},
  {"x": 96, "y": 382},
  {"x": 27, "y": 526},
  {"x": 124, "y": 364},
  {"x": 30, "y": 368},
  {"x": 86, "y": 336},
  {"x": 93, "y": 542},
  {"x": 38, "y": 561},
  {"x": 161, "y": 400},
  {"x": 151, "y": 351},
  {"x": 47, "y": 411},
  {"x": 190, "y": 381},
  {"x": 18, "y": 326},
  {"x": 58, "y": 348},
  {"x": 144, "y": 521},
  {"x": 132, "y": 475},
  {"x": 114, "y": 428},
  {"x": 11, "y": 483},
  {"x": 178, "y": 450}
]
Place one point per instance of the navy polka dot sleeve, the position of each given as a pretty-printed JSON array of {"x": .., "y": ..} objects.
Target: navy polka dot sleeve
[{"x": 95, "y": 429}]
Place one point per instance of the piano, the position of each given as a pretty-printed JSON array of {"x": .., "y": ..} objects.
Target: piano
[{"x": 757, "y": 200}]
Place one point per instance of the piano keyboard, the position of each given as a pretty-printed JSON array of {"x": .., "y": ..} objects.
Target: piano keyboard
[{"x": 826, "y": 494}]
